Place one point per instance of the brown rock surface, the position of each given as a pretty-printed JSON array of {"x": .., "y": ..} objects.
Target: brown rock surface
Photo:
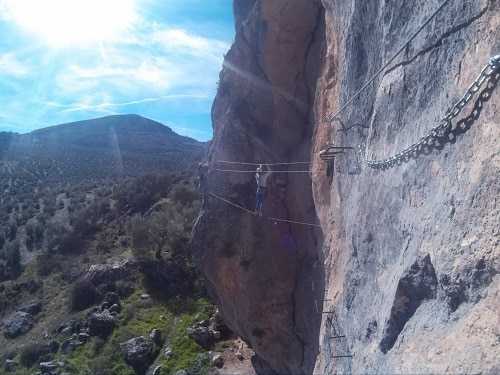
[{"x": 408, "y": 257}]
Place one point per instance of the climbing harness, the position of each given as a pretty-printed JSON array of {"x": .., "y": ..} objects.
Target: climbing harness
[
  {"x": 445, "y": 125},
  {"x": 274, "y": 219},
  {"x": 332, "y": 117}
]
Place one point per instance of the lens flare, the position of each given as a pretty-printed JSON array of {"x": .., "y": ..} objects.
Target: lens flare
[{"x": 66, "y": 23}]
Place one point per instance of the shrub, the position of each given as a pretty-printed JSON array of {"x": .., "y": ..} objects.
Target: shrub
[
  {"x": 83, "y": 295},
  {"x": 185, "y": 195},
  {"x": 10, "y": 257},
  {"x": 46, "y": 264},
  {"x": 139, "y": 230}
]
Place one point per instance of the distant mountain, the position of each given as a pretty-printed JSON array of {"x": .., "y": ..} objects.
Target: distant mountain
[{"x": 113, "y": 146}]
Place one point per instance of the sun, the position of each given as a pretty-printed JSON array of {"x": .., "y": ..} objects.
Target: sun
[{"x": 67, "y": 23}]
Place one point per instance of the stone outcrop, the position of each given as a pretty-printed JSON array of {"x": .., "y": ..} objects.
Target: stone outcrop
[
  {"x": 405, "y": 264},
  {"x": 139, "y": 353},
  {"x": 101, "y": 324},
  {"x": 18, "y": 324}
]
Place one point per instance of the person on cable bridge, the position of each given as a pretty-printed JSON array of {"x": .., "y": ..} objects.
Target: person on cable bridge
[
  {"x": 203, "y": 183},
  {"x": 261, "y": 177}
]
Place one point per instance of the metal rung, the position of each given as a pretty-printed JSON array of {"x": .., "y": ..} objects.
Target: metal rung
[
  {"x": 337, "y": 337},
  {"x": 343, "y": 356},
  {"x": 328, "y": 156},
  {"x": 330, "y": 151},
  {"x": 339, "y": 147}
]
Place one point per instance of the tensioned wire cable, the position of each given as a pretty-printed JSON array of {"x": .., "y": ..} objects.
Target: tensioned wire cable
[
  {"x": 267, "y": 217},
  {"x": 331, "y": 117},
  {"x": 241, "y": 171},
  {"x": 267, "y": 164}
]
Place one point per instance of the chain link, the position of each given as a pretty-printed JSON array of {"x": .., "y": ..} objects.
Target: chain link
[{"x": 445, "y": 124}]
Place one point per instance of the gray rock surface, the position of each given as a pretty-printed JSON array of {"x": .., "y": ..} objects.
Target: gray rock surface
[
  {"x": 32, "y": 308},
  {"x": 411, "y": 253},
  {"x": 218, "y": 361},
  {"x": 139, "y": 353},
  {"x": 101, "y": 323},
  {"x": 10, "y": 365},
  {"x": 259, "y": 268},
  {"x": 407, "y": 259},
  {"x": 156, "y": 336},
  {"x": 18, "y": 324}
]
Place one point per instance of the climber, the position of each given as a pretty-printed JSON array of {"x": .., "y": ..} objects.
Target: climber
[
  {"x": 203, "y": 182},
  {"x": 261, "y": 179}
]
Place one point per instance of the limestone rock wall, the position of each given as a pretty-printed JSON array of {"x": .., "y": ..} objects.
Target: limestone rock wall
[
  {"x": 261, "y": 270},
  {"x": 411, "y": 253},
  {"x": 406, "y": 258}
]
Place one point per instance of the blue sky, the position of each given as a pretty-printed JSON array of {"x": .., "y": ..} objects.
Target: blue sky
[{"x": 70, "y": 60}]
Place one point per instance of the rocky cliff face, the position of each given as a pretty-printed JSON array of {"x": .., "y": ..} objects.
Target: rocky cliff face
[{"x": 405, "y": 264}]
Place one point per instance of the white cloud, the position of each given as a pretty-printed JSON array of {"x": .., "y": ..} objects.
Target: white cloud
[
  {"x": 181, "y": 41},
  {"x": 127, "y": 76},
  {"x": 10, "y": 65},
  {"x": 90, "y": 104}
]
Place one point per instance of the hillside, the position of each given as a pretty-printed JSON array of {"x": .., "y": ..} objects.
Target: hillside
[
  {"x": 114, "y": 146},
  {"x": 389, "y": 260},
  {"x": 96, "y": 275}
]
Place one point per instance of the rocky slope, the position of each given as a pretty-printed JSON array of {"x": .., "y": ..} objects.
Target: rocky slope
[
  {"x": 405, "y": 264},
  {"x": 96, "y": 276}
]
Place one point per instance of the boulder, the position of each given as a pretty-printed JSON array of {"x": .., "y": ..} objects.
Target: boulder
[
  {"x": 138, "y": 353},
  {"x": 201, "y": 335},
  {"x": 155, "y": 335},
  {"x": 101, "y": 324},
  {"x": 70, "y": 345},
  {"x": 32, "y": 308},
  {"x": 18, "y": 324},
  {"x": 168, "y": 352},
  {"x": 204, "y": 333},
  {"x": 216, "y": 322},
  {"x": 10, "y": 365},
  {"x": 218, "y": 361},
  {"x": 115, "y": 309},
  {"x": 70, "y": 327},
  {"x": 49, "y": 367},
  {"x": 109, "y": 273}
]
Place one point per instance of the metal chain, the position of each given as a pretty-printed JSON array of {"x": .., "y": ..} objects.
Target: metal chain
[{"x": 445, "y": 124}]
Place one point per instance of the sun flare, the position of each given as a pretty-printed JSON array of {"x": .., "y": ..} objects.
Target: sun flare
[{"x": 63, "y": 23}]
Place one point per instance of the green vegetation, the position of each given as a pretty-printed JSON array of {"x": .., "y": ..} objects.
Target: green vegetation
[
  {"x": 10, "y": 260},
  {"x": 74, "y": 226},
  {"x": 101, "y": 357}
]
